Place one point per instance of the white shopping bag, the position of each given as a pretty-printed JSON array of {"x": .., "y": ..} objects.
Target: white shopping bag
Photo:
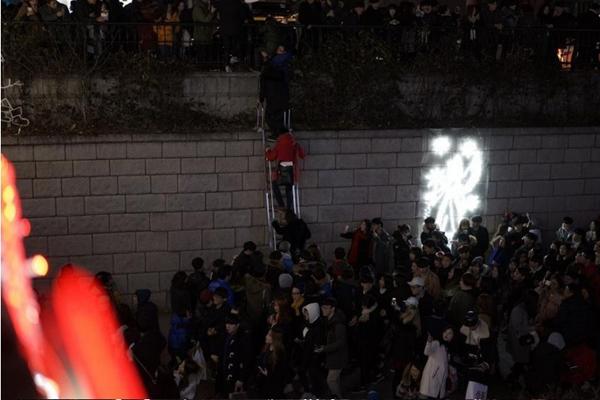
[{"x": 476, "y": 391}]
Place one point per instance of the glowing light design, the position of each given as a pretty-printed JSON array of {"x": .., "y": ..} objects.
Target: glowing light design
[{"x": 451, "y": 187}]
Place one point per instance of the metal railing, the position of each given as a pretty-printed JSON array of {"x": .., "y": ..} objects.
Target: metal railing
[{"x": 32, "y": 44}]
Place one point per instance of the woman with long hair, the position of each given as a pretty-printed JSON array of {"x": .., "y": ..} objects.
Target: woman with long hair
[
  {"x": 272, "y": 366},
  {"x": 361, "y": 249},
  {"x": 282, "y": 318}
]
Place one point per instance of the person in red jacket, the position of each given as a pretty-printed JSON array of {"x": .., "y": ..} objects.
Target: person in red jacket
[{"x": 287, "y": 152}]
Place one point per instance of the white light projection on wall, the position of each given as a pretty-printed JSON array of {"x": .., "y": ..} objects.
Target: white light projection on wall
[{"x": 453, "y": 183}]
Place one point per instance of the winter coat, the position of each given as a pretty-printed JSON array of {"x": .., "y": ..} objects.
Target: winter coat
[
  {"x": 435, "y": 373},
  {"x": 483, "y": 241},
  {"x": 286, "y": 149},
  {"x": 461, "y": 302},
  {"x": 360, "y": 249},
  {"x": 345, "y": 292},
  {"x": 224, "y": 284},
  {"x": 518, "y": 325},
  {"x": 236, "y": 359},
  {"x": 146, "y": 308},
  {"x": 274, "y": 88},
  {"x": 166, "y": 33},
  {"x": 383, "y": 252},
  {"x": 575, "y": 320},
  {"x": 232, "y": 15},
  {"x": 258, "y": 298},
  {"x": 336, "y": 349},
  {"x": 272, "y": 385},
  {"x": 203, "y": 33},
  {"x": 296, "y": 232},
  {"x": 313, "y": 336},
  {"x": 546, "y": 361},
  {"x": 179, "y": 334}
]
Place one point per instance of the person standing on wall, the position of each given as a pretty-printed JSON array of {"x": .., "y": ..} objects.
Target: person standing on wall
[{"x": 286, "y": 152}]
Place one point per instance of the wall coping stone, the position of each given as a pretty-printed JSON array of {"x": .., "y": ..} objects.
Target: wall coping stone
[{"x": 252, "y": 135}]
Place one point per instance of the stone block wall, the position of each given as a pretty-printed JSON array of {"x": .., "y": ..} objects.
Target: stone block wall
[{"x": 143, "y": 206}]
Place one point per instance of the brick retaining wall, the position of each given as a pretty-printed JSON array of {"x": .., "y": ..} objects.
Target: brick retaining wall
[{"x": 143, "y": 206}]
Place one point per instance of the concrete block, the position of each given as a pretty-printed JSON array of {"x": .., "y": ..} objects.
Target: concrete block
[
  {"x": 91, "y": 168},
  {"x": 546, "y": 204},
  {"x": 382, "y": 194},
  {"x": 170, "y": 221},
  {"x": 253, "y": 180},
  {"x": 591, "y": 170},
  {"x": 94, "y": 264},
  {"x": 38, "y": 207},
  {"x": 416, "y": 176},
  {"x": 569, "y": 187},
  {"x": 592, "y": 186},
  {"x": 75, "y": 186},
  {"x": 48, "y": 226},
  {"x": 498, "y": 157},
  {"x": 348, "y": 161},
  {"x": 491, "y": 190},
  {"x": 128, "y": 263},
  {"x": 197, "y": 183},
  {"x": 151, "y": 241},
  {"x": 46, "y": 188},
  {"x": 185, "y": 240},
  {"x": 239, "y": 148},
  {"x": 178, "y": 149},
  {"x": 358, "y": 195},
  {"x": 186, "y": 202},
  {"x": 255, "y": 234},
  {"x": 163, "y": 261},
  {"x": 164, "y": 184},
  {"x": 229, "y": 182},
  {"x": 51, "y": 169},
  {"x": 88, "y": 224},
  {"x": 259, "y": 216},
  {"x": 197, "y": 165},
  {"x": 338, "y": 213},
  {"x": 407, "y": 193},
  {"x": 70, "y": 245},
  {"x": 409, "y": 159},
  {"x": 110, "y": 151},
  {"x": 522, "y": 156},
  {"x": 324, "y": 146},
  {"x": 355, "y": 146},
  {"x": 550, "y": 155},
  {"x": 309, "y": 179},
  {"x": 18, "y": 153},
  {"x": 537, "y": 188},
  {"x": 530, "y": 172},
  {"x": 231, "y": 164},
  {"x": 25, "y": 188},
  {"x": 580, "y": 140},
  {"x": 381, "y": 160},
  {"x": 257, "y": 164},
  {"x": 104, "y": 185},
  {"x": 134, "y": 184},
  {"x": 400, "y": 176},
  {"x": 69, "y": 206},
  {"x": 413, "y": 144},
  {"x": 143, "y": 281},
  {"x": 364, "y": 211},
  {"x": 527, "y": 142},
  {"x": 310, "y": 214},
  {"x": 105, "y": 204},
  {"x": 316, "y": 196},
  {"x": 197, "y": 220},
  {"x": 145, "y": 202},
  {"x": 578, "y": 155},
  {"x": 160, "y": 166},
  {"x": 25, "y": 169},
  {"x": 321, "y": 233},
  {"x": 247, "y": 199},
  {"x": 336, "y": 178},
  {"x": 496, "y": 206},
  {"x": 583, "y": 203},
  {"x": 369, "y": 177},
  {"x": 210, "y": 149},
  {"x": 229, "y": 219},
  {"x": 80, "y": 151},
  {"x": 218, "y": 239},
  {"x": 508, "y": 189},
  {"x": 111, "y": 243},
  {"x": 387, "y": 145},
  {"x": 398, "y": 211},
  {"x": 35, "y": 245},
  {"x": 320, "y": 161},
  {"x": 49, "y": 152},
  {"x": 499, "y": 142},
  {"x": 129, "y": 222},
  {"x": 520, "y": 204},
  {"x": 218, "y": 201},
  {"x": 511, "y": 172},
  {"x": 127, "y": 167},
  {"x": 144, "y": 150},
  {"x": 565, "y": 171},
  {"x": 555, "y": 141}
]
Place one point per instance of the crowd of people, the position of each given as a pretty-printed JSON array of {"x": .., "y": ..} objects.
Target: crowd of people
[
  {"x": 205, "y": 30},
  {"x": 427, "y": 315}
]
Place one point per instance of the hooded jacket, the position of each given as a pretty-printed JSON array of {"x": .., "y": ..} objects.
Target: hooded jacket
[
  {"x": 146, "y": 310},
  {"x": 313, "y": 336}
]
